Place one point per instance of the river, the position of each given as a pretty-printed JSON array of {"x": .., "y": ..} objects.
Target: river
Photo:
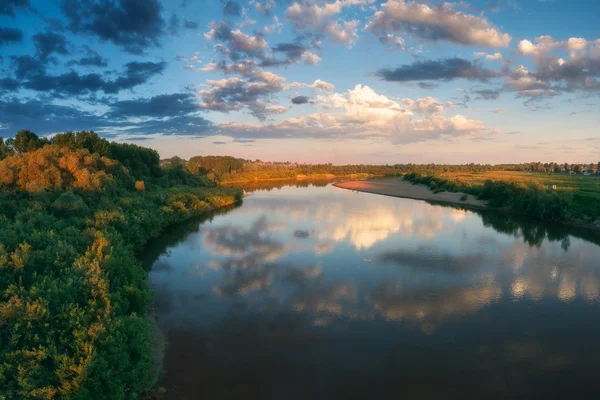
[{"x": 317, "y": 292}]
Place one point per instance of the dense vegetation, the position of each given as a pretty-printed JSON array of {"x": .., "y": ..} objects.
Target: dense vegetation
[
  {"x": 531, "y": 199},
  {"x": 74, "y": 210}
]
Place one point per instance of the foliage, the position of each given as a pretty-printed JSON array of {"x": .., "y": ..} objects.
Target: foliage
[
  {"x": 531, "y": 199},
  {"x": 74, "y": 320},
  {"x": 25, "y": 141},
  {"x": 140, "y": 186}
]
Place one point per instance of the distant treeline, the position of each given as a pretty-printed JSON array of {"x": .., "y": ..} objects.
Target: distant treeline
[{"x": 74, "y": 300}]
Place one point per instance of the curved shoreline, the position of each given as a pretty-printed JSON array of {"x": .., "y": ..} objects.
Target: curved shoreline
[{"x": 403, "y": 189}]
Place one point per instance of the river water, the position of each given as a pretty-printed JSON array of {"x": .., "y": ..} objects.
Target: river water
[{"x": 317, "y": 292}]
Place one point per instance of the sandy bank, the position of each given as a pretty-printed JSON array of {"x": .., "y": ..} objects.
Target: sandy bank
[{"x": 399, "y": 188}]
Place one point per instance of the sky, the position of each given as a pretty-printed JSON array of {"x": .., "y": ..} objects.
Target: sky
[{"x": 340, "y": 81}]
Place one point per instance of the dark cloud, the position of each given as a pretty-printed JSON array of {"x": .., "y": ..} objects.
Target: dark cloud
[
  {"x": 292, "y": 52},
  {"x": 300, "y": 100},
  {"x": 425, "y": 85},
  {"x": 72, "y": 83},
  {"x": 10, "y": 35},
  {"x": 301, "y": 234},
  {"x": 131, "y": 24},
  {"x": 232, "y": 9},
  {"x": 446, "y": 69},
  {"x": 487, "y": 94},
  {"x": 91, "y": 59},
  {"x": 25, "y": 66},
  {"x": 9, "y": 84},
  {"x": 8, "y": 7},
  {"x": 244, "y": 141},
  {"x": 48, "y": 43},
  {"x": 219, "y": 142},
  {"x": 44, "y": 117},
  {"x": 166, "y": 105},
  {"x": 184, "y": 125}
]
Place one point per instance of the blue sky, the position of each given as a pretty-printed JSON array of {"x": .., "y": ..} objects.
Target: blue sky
[{"x": 342, "y": 81}]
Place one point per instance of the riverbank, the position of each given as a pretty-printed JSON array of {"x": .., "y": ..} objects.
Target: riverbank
[
  {"x": 404, "y": 189},
  {"x": 399, "y": 188}
]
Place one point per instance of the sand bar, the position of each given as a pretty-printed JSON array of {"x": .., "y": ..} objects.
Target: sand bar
[{"x": 400, "y": 188}]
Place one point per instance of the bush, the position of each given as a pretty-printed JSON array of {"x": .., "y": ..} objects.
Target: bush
[
  {"x": 140, "y": 186},
  {"x": 69, "y": 204}
]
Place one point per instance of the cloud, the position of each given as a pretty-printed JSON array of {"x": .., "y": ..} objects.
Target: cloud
[
  {"x": 361, "y": 113},
  {"x": 315, "y": 18},
  {"x": 293, "y": 51},
  {"x": 441, "y": 22},
  {"x": 235, "y": 94},
  {"x": 446, "y": 69},
  {"x": 133, "y": 25},
  {"x": 487, "y": 94},
  {"x": 9, "y": 84},
  {"x": 264, "y": 7},
  {"x": 276, "y": 26},
  {"x": 163, "y": 114},
  {"x": 91, "y": 59},
  {"x": 48, "y": 43},
  {"x": 36, "y": 78},
  {"x": 43, "y": 117},
  {"x": 232, "y": 9},
  {"x": 490, "y": 57},
  {"x": 8, "y": 7},
  {"x": 219, "y": 142},
  {"x": 10, "y": 35},
  {"x": 577, "y": 72},
  {"x": 427, "y": 105},
  {"x": 237, "y": 40},
  {"x": 166, "y": 105},
  {"x": 300, "y": 100},
  {"x": 317, "y": 85}
]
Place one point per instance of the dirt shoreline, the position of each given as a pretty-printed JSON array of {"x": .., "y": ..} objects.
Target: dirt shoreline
[{"x": 398, "y": 188}]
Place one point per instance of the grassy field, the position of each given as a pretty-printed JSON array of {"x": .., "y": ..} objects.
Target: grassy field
[{"x": 585, "y": 189}]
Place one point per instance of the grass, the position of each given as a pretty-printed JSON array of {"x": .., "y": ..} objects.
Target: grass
[{"x": 585, "y": 189}]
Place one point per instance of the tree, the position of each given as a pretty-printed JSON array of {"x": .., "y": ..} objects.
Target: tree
[
  {"x": 66, "y": 139},
  {"x": 140, "y": 186},
  {"x": 577, "y": 169},
  {"x": 26, "y": 141},
  {"x": 5, "y": 151}
]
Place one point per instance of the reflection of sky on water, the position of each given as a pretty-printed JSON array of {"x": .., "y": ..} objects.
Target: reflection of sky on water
[{"x": 336, "y": 261}]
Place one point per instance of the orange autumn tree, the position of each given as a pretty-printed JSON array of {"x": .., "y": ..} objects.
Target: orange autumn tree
[{"x": 55, "y": 168}]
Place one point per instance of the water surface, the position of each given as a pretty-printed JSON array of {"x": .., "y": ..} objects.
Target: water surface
[{"x": 322, "y": 293}]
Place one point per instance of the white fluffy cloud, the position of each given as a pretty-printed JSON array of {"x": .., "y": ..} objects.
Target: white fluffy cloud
[
  {"x": 361, "y": 112},
  {"x": 317, "y": 85},
  {"x": 317, "y": 18},
  {"x": 440, "y": 22}
]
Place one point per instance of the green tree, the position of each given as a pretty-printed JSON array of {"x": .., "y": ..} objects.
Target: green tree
[
  {"x": 577, "y": 169},
  {"x": 26, "y": 141},
  {"x": 5, "y": 151}
]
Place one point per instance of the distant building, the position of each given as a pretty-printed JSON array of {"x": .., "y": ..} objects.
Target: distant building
[{"x": 551, "y": 187}]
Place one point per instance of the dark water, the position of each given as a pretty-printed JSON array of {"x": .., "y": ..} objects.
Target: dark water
[{"x": 321, "y": 293}]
